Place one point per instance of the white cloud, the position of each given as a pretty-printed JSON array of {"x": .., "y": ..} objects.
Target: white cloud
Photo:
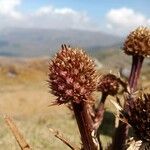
[
  {"x": 8, "y": 8},
  {"x": 44, "y": 10},
  {"x": 44, "y": 17},
  {"x": 51, "y": 17},
  {"x": 124, "y": 19}
]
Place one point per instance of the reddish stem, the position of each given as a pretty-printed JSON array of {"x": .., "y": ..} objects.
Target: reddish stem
[
  {"x": 122, "y": 130},
  {"x": 100, "y": 111},
  {"x": 137, "y": 62},
  {"x": 84, "y": 122},
  {"x": 99, "y": 116},
  {"x": 120, "y": 136}
]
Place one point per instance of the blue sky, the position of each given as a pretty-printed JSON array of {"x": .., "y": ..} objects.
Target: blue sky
[
  {"x": 94, "y": 8},
  {"x": 114, "y": 16}
]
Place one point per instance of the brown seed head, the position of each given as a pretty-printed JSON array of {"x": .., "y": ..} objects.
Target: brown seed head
[
  {"x": 138, "y": 116},
  {"x": 108, "y": 84},
  {"x": 138, "y": 42},
  {"x": 72, "y": 75}
]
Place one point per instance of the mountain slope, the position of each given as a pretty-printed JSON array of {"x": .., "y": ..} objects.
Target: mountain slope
[{"x": 41, "y": 42}]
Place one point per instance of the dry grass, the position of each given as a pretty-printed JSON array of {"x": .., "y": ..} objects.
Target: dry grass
[
  {"x": 29, "y": 107},
  {"x": 25, "y": 96}
]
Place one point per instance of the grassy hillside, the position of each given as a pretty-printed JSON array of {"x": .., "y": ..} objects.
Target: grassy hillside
[
  {"x": 24, "y": 94},
  {"x": 114, "y": 59}
]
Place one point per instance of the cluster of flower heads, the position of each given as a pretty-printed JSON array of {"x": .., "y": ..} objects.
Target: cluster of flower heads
[
  {"x": 138, "y": 42},
  {"x": 138, "y": 116},
  {"x": 72, "y": 75},
  {"x": 73, "y": 78},
  {"x": 138, "y": 109}
]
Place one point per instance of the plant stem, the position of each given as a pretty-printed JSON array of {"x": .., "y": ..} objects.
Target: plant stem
[
  {"x": 120, "y": 136},
  {"x": 122, "y": 130},
  {"x": 84, "y": 122},
  {"x": 60, "y": 136},
  {"x": 100, "y": 111},
  {"x": 18, "y": 136},
  {"x": 99, "y": 116},
  {"x": 137, "y": 62}
]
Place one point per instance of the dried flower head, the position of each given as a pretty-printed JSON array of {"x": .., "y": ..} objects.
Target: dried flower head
[
  {"x": 138, "y": 116},
  {"x": 134, "y": 144},
  {"x": 108, "y": 84},
  {"x": 72, "y": 75},
  {"x": 138, "y": 42}
]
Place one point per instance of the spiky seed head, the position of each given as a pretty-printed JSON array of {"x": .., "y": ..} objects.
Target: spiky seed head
[
  {"x": 138, "y": 116},
  {"x": 108, "y": 84},
  {"x": 72, "y": 75},
  {"x": 138, "y": 42}
]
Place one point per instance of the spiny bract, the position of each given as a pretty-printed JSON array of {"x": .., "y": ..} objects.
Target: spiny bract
[
  {"x": 72, "y": 75},
  {"x": 138, "y": 116},
  {"x": 138, "y": 42}
]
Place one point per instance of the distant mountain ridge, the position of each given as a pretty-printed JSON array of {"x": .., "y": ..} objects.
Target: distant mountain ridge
[{"x": 44, "y": 42}]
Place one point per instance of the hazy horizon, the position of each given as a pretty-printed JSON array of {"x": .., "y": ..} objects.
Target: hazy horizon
[
  {"x": 115, "y": 17},
  {"x": 36, "y": 27}
]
